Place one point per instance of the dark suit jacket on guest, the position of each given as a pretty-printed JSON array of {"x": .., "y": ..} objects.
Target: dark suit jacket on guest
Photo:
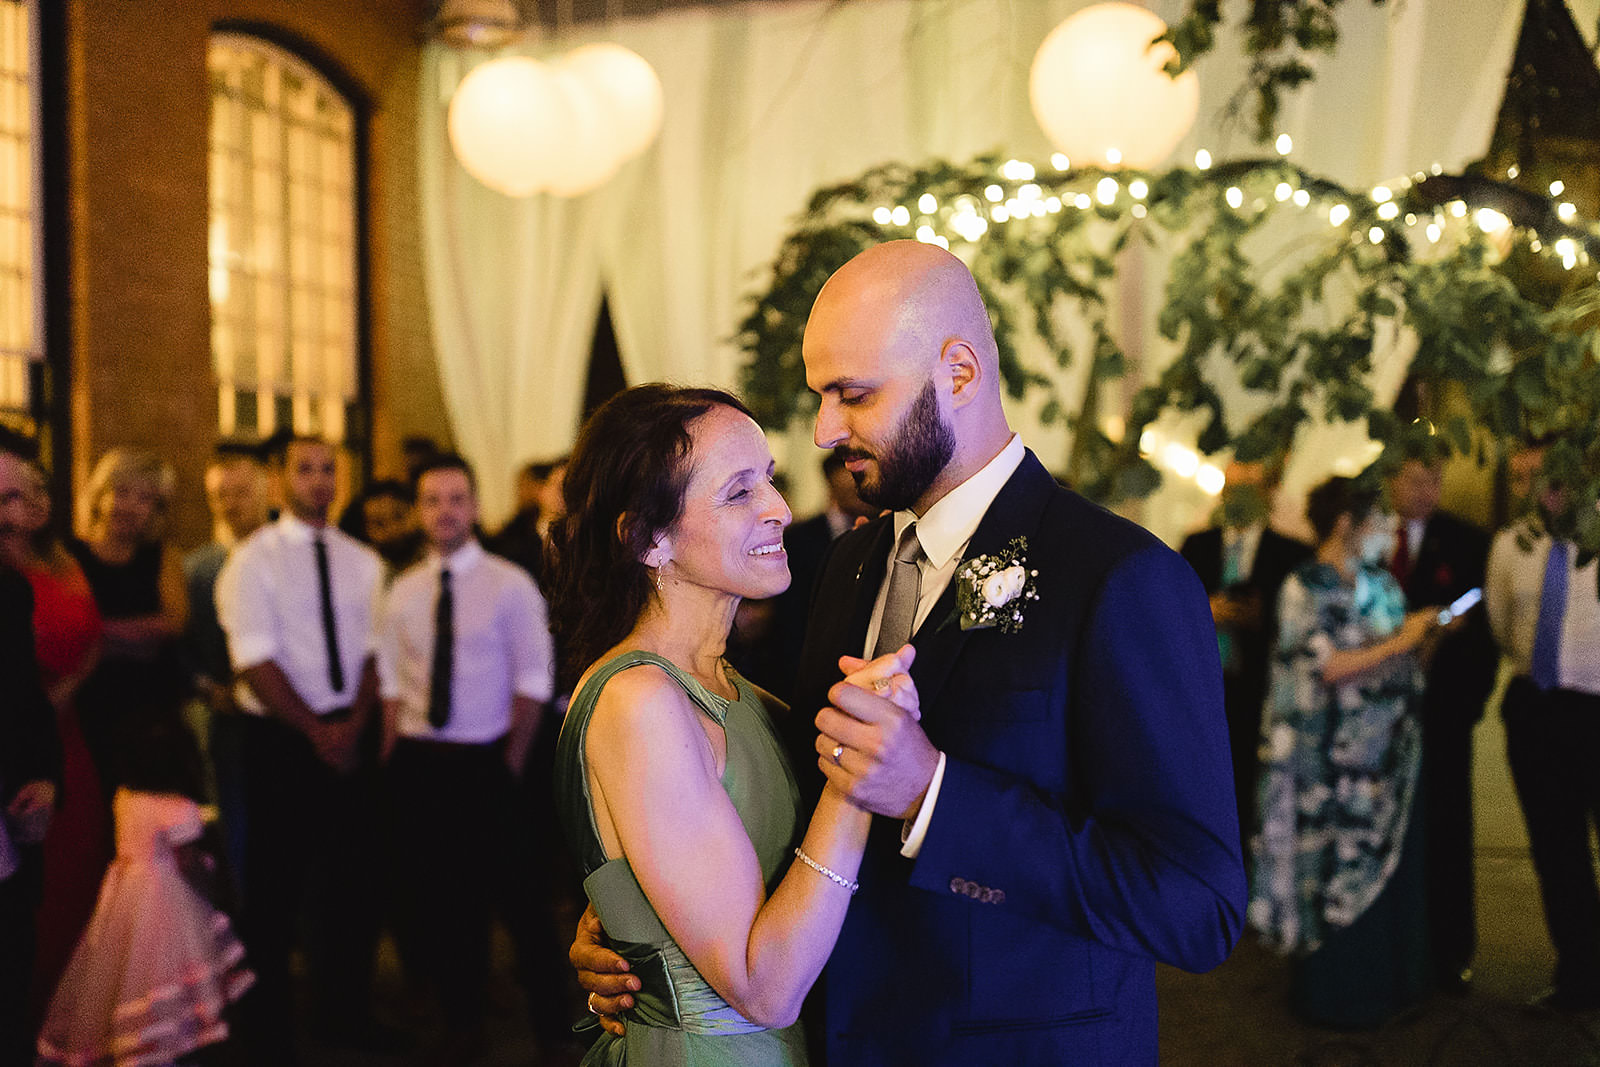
[
  {"x": 1452, "y": 560},
  {"x": 1085, "y": 827},
  {"x": 806, "y": 544},
  {"x": 1276, "y": 557},
  {"x": 29, "y": 748}
]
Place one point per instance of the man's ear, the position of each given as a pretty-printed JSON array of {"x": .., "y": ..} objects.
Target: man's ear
[{"x": 966, "y": 372}]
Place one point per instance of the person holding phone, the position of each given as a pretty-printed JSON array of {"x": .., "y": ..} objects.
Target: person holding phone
[{"x": 1338, "y": 866}]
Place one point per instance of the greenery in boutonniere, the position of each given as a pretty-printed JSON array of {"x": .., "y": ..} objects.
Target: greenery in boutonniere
[{"x": 993, "y": 590}]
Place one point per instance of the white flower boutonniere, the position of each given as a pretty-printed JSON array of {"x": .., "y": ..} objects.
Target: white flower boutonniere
[{"x": 993, "y": 590}]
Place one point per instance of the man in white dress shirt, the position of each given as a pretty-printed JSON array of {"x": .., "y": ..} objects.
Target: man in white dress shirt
[
  {"x": 467, "y": 672},
  {"x": 1545, "y": 612},
  {"x": 298, "y": 601}
]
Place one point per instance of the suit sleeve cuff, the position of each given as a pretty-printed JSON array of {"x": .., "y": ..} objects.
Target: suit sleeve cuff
[{"x": 914, "y": 830}]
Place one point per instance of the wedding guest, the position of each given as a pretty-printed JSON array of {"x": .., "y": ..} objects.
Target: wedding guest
[
  {"x": 138, "y": 585},
  {"x": 1338, "y": 864},
  {"x": 382, "y": 516},
  {"x": 1437, "y": 557},
  {"x": 1545, "y": 613},
  {"x": 522, "y": 539},
  {"x": 465, "y": 662},
  {"x": 66, "y": 628},
  {"x": 1242, "y": 562},
  {"x": 298, "y": 600},
  {"x": 236, "y": 493},
  {"x": 30, "y": 761}
]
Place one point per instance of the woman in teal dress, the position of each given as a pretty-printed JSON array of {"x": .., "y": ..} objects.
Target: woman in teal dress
[
  {"x": 670, "y": 780},
  {"x": 1338, "y": 880}
]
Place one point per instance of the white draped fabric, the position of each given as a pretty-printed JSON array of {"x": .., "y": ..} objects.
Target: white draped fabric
[{"x": 764, "y": 104}]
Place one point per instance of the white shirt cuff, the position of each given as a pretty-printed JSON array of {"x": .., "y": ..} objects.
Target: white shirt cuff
[{"x": 914, "y": 830}]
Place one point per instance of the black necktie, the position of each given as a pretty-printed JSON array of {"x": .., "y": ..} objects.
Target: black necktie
[
  {"x": 330, "y": 627},
  {"x": 444, "y": 641}
]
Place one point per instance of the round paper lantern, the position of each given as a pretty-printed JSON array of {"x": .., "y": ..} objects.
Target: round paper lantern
[
  {"x": 589, "y": 154},
  {"x": 627, "y": 87},
  {"x": 1099, "y": 91},
  {"x": 507, "y": 123}
]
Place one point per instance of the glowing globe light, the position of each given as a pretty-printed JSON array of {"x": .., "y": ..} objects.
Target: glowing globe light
[
  {"x": 505, "y": 126},
  {"x": 1099, "y": 91},
  {"x": 628, "y": 91},
  {"x": 521, "y": 126},
  {"x": 589, "y": 155}
]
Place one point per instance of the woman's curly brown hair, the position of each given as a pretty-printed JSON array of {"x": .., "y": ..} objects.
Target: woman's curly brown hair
[{"x": 624, "y": 485}]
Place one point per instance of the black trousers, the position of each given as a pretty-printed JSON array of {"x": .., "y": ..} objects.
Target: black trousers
[
  {"x": 1553, "y": 746},
  {"x": 19, "y": 898},
  {"x": 1243, "y": 697},
  {"x": 1447, "y": 807},
  {"x": 542, "y": 895},
  {"x": 312, "y": 861},
  {"x": 447, "y": 810}
]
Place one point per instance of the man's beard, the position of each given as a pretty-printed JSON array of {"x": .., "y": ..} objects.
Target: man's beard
[{"x": 917, "y": 453}]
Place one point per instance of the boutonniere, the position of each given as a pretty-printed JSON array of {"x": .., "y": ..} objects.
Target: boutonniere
[{"x": 992, "y": 590}]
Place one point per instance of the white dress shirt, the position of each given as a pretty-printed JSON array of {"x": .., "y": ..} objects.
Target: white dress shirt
[
  {"x": 502, "y": 645},
  {"x": 943, "y": 533},
  {"x": 269, "y": 601},
  {"x": 1512, "y": 594}
]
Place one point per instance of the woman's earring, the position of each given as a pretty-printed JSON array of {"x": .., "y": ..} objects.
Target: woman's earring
[{"x": 656, "y": 576}]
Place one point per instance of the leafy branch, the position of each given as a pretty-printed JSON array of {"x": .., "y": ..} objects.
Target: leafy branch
[{"x": 1279, "y": 283}]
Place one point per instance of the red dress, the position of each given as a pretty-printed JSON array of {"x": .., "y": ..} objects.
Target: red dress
[{"x": 66, "y": 627}]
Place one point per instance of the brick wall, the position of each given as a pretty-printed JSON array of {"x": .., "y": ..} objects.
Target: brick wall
[{"x": 138, "y": 108}]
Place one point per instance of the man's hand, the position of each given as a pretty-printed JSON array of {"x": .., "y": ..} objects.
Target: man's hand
[
  {"x": 602, "y": 973},
  {"x": 1236, "y": 611},
  {"x": 338, "y": 743},
  {"x": 885, "y": 762},
  {"x": 31, "y": 808}
]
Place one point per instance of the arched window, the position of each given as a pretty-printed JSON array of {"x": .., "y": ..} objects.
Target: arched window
[
  {"x": 21, "y": 249},
  {"x": 283, "y": 243}
]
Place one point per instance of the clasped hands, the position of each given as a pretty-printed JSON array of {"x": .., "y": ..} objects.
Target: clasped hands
[{"x": 870, "y": 743}]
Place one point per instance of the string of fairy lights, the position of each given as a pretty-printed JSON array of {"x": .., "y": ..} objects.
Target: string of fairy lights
[{"x": 1424, "y": 210}]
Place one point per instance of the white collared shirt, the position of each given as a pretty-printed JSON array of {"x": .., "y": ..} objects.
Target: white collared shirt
[
  {"x": 269, "y": 602},
  {"x": 1512, "y": 594},
  {"x": 943, "y": 533},
  {"x": 502, "y": 645}
]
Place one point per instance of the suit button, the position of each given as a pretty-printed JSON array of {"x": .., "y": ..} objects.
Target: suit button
[
  {"x": 975, "y": 891},
  {"x": 997, "y": 896},
  {"x": 958, "y": 885}
]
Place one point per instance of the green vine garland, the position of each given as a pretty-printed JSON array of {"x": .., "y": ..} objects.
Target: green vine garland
[{"x": 1525, "y": 357}]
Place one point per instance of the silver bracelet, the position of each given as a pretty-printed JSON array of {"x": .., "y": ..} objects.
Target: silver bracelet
[{"x": 831, "y": 875}]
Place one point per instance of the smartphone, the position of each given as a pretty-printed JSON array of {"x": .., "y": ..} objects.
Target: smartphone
[{"x": 1460, "y": 606}]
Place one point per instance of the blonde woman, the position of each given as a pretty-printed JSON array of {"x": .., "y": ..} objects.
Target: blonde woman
[{"x": 139, "y": 588}]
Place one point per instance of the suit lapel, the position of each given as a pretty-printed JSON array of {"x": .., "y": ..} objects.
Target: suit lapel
[
  {"x": 869, "y": 575},
  {"x": 1015, "y": 512}
]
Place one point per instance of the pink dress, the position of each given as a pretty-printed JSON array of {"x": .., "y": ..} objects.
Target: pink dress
[{"x": 157, "y": 964}]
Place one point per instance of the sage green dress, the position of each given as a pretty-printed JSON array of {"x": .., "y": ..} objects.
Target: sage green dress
[{"x": 678, "y": 1020}]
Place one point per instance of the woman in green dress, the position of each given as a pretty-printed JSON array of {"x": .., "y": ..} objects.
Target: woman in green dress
[{"x": 671, "y": 782}]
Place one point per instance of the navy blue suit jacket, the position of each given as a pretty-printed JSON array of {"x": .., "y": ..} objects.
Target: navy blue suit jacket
[{"x": 1086, "y": 826}]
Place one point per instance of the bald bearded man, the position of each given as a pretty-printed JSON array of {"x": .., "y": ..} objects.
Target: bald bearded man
[{"x": 1062, "y": 816}]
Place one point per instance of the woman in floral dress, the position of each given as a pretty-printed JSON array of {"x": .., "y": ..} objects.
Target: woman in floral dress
[{"x": 1338, "y": 879}]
